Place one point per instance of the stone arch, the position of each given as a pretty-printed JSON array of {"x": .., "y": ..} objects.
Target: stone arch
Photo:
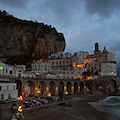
[
  {"x": 88, "y": 86},
  {"x": 52, "y": 88},
  {"x": 29, "y": 88},
  {"x": 42, "y": 87},
  {"x": 69, "y": 90},
  {"x": 75, "y": 87},
  {"x": 61, "y": 89},
  {"x": 111, "y": 88},
  {"x": 82, "y": 87},
  {"x": 19, "y": 87}
]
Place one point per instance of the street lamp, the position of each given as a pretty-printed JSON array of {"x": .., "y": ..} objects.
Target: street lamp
[{"x": 19, "y": 115}]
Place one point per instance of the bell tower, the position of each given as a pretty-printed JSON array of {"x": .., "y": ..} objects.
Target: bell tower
[{"x": 96, "y": 49}]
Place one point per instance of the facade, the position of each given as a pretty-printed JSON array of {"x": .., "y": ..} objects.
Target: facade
[
  {"x": 8, "y": 91},
  {"x": 101, "y": 63},
  {"x": 64, "y": 63},
  {"x": 40, "y": 67},
  {"x": 108, "y": 64},
  {"x": 60, "y": 55},
  {"x": 11, "y": 71},
  {"x": 80, "y": 56}
]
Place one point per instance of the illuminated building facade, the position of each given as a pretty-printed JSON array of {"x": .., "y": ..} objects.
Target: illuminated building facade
[{"x": 101, "y": 63}]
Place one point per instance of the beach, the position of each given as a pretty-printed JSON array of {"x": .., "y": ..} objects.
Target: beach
[{"x": 79, "y": 110}]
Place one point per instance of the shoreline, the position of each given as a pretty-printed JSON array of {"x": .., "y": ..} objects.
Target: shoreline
[{"x": 80, "y": 110}]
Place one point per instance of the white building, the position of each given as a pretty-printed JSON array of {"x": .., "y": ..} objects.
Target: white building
[
  {"x": 40, "y": 67},
  {"x": 11, "y": 71},
  {"x": 60, "y": 55},
  {"x": 8, "y": 91}
]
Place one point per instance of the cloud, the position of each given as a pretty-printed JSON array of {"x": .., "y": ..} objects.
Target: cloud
[
  {"x": 14, "y": 3},
  {"x": 102, "y": 7}
]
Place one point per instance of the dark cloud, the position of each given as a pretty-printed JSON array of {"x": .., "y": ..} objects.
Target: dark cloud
[
  {"x": 62, "y": 9},
  {"x": 102, "y": 7},
  {"x": 14, "y": 3}
]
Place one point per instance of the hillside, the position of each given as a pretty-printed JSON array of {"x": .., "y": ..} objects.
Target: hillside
[{"x": 21, "y": 41}]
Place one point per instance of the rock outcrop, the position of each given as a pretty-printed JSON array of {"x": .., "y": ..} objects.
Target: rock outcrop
[{"x": 22, "y": 41}]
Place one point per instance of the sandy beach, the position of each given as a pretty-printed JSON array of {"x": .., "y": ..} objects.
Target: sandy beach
[{"x": 80, "y": 110}]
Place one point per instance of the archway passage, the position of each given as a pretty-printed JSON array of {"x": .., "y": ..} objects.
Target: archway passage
[
  {"x": 19, "y": 87},
  {"x": 69, "y": 88},
  {"x": 75, "y": 87},
  {"x": 42, "y": 88},
  {"x": 88, "y": 86},
  {"x": 61, "y": 89},
  {"x": 111, "y": 88},
  {"x": 81, "y": 87},
  {"x": 52, "y": 88},
  {"x": 29, "y": 88}
]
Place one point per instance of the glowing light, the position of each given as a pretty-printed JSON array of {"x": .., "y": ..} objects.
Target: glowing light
[
  {"x": 20, "y": 98},
  {"x": 20, "y": 108},
  {"x": 56, "y": 88},
  {"x": 64, "y": 88},
  {"x": 80, "y": 65},
  {"x": 100, "y": 87},
  {"x": 49, "y": 95},
  {"x": 85, "y": 70},
  {"x": 38, "y": 91},
  {"x": 60, "y": 75},
  {"x": 1, "y": 68},
  {"x": 66, "y": 93},
  {"x": 37, "y": 73}
]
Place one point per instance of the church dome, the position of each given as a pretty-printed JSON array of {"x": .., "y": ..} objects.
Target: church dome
[{"x": 104, "y": 50}]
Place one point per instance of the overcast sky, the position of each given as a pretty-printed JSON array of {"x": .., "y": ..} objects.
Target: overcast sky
[{"x": 83, "y": 22}]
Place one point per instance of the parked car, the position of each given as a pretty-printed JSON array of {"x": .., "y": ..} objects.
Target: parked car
[
  {"x": 14, "y": 100},
  {"x": 7, "y": 101},
  {"x": 38, "y": 103},
  {"x": 1, "y": 101},
  {"x": 56, "y": 98}
]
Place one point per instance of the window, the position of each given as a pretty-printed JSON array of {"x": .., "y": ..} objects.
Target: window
[
  {"x": 13, "y": 87},
  {"x": 7, "y": 87},
  {"x": 0, "y": 87}
]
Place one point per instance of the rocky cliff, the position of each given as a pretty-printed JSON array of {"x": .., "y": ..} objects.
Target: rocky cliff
[{"x": 22, "y": 41}]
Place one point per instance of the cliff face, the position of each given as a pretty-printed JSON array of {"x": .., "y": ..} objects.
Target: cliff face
[{"x": 21, "y": 41}]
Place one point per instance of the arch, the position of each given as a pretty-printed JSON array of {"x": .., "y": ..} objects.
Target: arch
[
  {"x": 88, "y": 86},
  {"x": 69, "y": 90},
  {"x": 42, "y": 88},
  {"x": 29, "y": 88},
  {"x": 81, "y": 87},
  {"x": 111, "y": 88},
  {"x": 75, "y": 87},
  {"x": 52, "y": 88},
  {"x": 19, "y": 87},
  {"x": 61, "y": 89}
]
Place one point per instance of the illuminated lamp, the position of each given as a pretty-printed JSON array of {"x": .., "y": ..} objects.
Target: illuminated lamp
[
  {"x": 20, "y": 108},
  {"x": 66, "y": 93},
  {"x": 1, "y": 68}
]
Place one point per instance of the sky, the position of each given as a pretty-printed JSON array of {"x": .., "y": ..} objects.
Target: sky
[{"x": 83, "y": 22}]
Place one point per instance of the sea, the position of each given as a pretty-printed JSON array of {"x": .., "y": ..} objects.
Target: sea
[{"x": 110, "y": 104}]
